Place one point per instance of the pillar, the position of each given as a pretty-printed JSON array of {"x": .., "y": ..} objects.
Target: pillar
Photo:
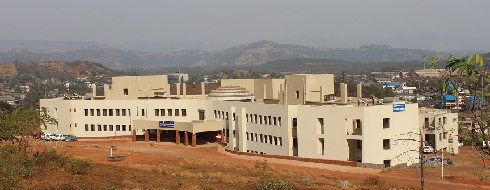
[
  {"x": 184, "y": 89},
  {"x": 158, "y": 135},
  {"x": 177, "y": 137},
  {"x": 359, "y": 90},
  {"x": 222, "y": 137},
  {"x": 193, "y": 139},
  {"x": 186, "y": 139},
  {"x": 203, "y": 90},
  {"x": 147, "y": 135},
  {"x": 134, "y": 135},
  {"x": 178, "y": 89}
]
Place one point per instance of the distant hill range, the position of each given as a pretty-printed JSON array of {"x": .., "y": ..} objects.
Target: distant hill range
[
  {"x": 59, "y": 70},
  {"x": 252, "y": 54}
]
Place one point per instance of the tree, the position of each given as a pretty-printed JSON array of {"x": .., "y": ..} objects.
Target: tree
[
  {"x": 6, "y": 106},
  {"x": 471, "y": 75}
]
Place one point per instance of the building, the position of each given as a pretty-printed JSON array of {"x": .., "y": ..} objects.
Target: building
[{"x": 296, "y": 116}]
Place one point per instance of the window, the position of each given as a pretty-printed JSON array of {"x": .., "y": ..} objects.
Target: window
[
  {"x": 118, "y": 127},
  {"x": 129, "y": 127},
  {"x": 265, "y": 138},
  {"x": 358, "y": 144},
  {"x": 177, "y": 112},
  {"x": 234, "y": 115},
  {"x": 386, "y": 123},
  {"x": 440, "y": 121},
  {"x": 386, "y": 144},
  {"x": 275, "y": 140},
  {"x": 111, "y": 113},
  {"x": 246, "y": 115},
  {"x": 275, "y": 121},
  {"x": 444, "y": 135},
  {"x": 256, "y": 139},
  {"x": 129, "y": 112},
  {"x": 86, "y": 112},
  {"x": 123, "y": 127},
  {"x": 99, "y": 127},
  {"x": 270, "y": 120},
  {"x": 279, "y": 121},
  {"x": 279, "y": 140},
  {"x": 98, "y": 112},
  {"x": 440, "y": 136},
  {"x": 251, "y": 136},
  {"x": 142, "y": 112},
  {"x": 169, "y": 112},
  {"x": 295, "y": 142},
  {"x": 92, "y": 112},
  {"x": 105, "y": 127},
  {"x": 426, "y": 122},
  {"x": 261, "y": 138},
  {"x": 157, "y": 112},
  {"x": 295, "y": 122},
  {"x": 321, "y": 146},
  {"x": 184, "y": 112},
  {"x": 111, "y": 128},
  {"x": 255, "y": 118},
  {"x": 270, "y": 139},
  {"x": 358, "y": 124},
  {"x": 86, "y": 127},
  {"x": 297, "y": 94},
  {"x": 74, "y": 109},
  {"x": 118, "y": 112},
  {"x": 444, "y": 120},
  {"x": 320, "y": 126},
  {"x": 248, "y": 138},
  {"x": 75, "y": 124},
  {"x": 92, "y": 127},
  {"x": 104, "y": 112},
  {"x": 123, "y": 112},
  {"x": 260, "y": 118},
  {"x": 125, "y": 92}
]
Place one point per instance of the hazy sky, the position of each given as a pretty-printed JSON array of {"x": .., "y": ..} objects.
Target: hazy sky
[{"x": 240, "y": 22}]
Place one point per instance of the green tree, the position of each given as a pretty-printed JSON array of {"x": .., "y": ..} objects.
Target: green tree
[{"x": 6, "y": 106}]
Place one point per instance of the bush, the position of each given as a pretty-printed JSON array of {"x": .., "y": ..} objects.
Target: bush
[
  {"x": 272, "y": 184},
  {"x": 81, "y": 167}
]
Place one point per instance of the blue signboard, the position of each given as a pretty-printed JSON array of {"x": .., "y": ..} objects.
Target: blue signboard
[
  {"x": 398, "y": 107},
  {"x": 166, "y": 124}
]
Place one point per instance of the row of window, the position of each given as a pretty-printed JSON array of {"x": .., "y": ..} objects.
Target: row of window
[
  {"x": 264, "y": 138},
  {"x": 170, "y": 112},
  {"x": 98, "y": 127},
  {"x": 107, "y": 112},
  {"x": 222, "y": 115},
  {"x": 266, "y": 120}
]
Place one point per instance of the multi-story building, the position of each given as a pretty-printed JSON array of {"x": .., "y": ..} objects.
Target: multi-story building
[{"x": 296, "y": 116}]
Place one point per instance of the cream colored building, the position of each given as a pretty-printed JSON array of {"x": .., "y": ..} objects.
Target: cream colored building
[{"x": 295, "y": 116}]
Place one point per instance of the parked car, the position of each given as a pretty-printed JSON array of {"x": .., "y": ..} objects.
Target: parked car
[
  {"x": 434, "y": 159},
  {"x": 49, "y": 137},
  {"x": 43, "y": 137},
  {"x": 59, "y": 137},
  {"x": 71, "y": 138},
  {"x": 428, "y": 150},
  {"x": 37, "y": 135}
]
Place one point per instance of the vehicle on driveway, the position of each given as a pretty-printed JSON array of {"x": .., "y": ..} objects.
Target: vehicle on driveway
[
  {"x": 71, "y": 138},
  {"x": 428, "y": 150},
  {"x": 59, "y": 137},
  {"x": 49, "y": 137}
]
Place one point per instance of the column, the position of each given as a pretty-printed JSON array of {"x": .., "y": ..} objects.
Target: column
[
  {"x": 158, "y": 135},
  {"x": 177, "y": 137},
  {"x": 222, "y": 137},
  {"x": 186, "y": 139},
  {"x": 147, "y": 135},
  {"x": 193, "y": 139},
  {"x": 134, "y": 135}
]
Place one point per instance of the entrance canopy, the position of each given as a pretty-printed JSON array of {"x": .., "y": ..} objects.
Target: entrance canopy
[{"x": 195, "y": 126}]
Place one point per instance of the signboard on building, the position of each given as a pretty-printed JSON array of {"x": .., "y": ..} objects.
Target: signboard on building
[
  {"x": 166, "y": 124},
  {"x": 398, "y": 107}
]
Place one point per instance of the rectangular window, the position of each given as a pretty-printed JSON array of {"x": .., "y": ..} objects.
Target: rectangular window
[
  {"x": 118, "y": 112},
  {"x": 386, "y": 144},
  {"x": 358, "y": 144},
  {"x": 248, "y": 138},
  {"x": 321, "y": 146},
  {"x": 169, "y": 112},
  {"x": 260, "y": 119},
  {"x": 246, "y": 115},
  {"x": 215, "y": 114},
  {"x": 86, "y": 112},
  {"x": 157, "y": 112},
  {"x": 251, "y": 136},
  {"x": 104, "y": 112},
  {"x": 275, "y": 140},
  {"x": 98, "y": 112},
  {"x": 129, "y": 112},
  {"x": 111, "y": 127},
  {"x": 256, "y": 139},
  {"x": 162, "y": 112},
  {"x": 386, "y": 123},
  {"x": 177, "y": 113},
  {"x": 358, "y": 124},
  {"x": 275, "y": 121},
  {"x": 92, "y": 127},
  {"x": 444, "y": 120},
  {"x": 125, "y": 92},
  {"x": 426, "y": 122},
  {"x": 118, "y": 127},
  {"x": 86, "y": 127},
  {"x": 105, "y": 127},
  {"x": 74, "y": 109},
  {"x": 295, "y": 142},
  {"x": 270, "y": 139},
  {"x": 295, "y": 122},
  {"x": 75, "y": 124},
  {"x": 261, "y": 138},
  {"x": 279, "y": 121},
  {"x": 142, "y": 112},
  {"x": 270, "y": 120},
  {"x": 184, "y": 112},
  {"x": 234, "y": 116},
  {"x": 440, "y": 121},
  {"x": 444, "y": 135},
  {"x": 123, "y": 112},
  {"x": 265, "y": 138},
  {"x": 320, "y": 126},
  {"x": 129, "y": 127},
  {"x": 111, "y": 113},
  {"x": 92, "y": 112},
  {"x": 123, "y": 127},
  {"x": 297, "y": 94},
  {"x": 99, "y": 127},
  {"x": 255, "y": 118}
]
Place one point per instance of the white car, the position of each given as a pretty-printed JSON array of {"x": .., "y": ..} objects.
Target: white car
[
  {"x": 428, "y": 149},
  {"x": 49, "y": 137},
  {"x": 59, "y": 137}
]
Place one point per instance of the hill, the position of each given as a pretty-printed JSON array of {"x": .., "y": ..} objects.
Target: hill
[
  {"x": 59, "y": 70},
  {"x": 256, "y": 53}
]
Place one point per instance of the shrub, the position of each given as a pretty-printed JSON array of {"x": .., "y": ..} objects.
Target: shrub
[
  {"x": 81, "y": 167},
  {"x": 272, "y": 184}
]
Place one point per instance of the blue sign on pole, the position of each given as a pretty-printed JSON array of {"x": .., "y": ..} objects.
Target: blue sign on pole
[{"x": 398, "y": 107}]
